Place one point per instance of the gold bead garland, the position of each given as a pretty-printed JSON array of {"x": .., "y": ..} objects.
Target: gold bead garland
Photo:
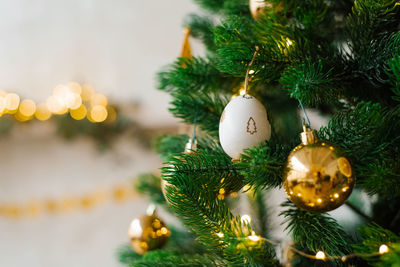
[{"x": 35, "y": 208}]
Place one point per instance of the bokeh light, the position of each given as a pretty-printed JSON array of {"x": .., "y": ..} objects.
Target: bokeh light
[
  {"x": 98, "y": 100},
  {"x": 27, "y": 107},
  {"x": 87, "y": 92},
  {"x": 79, "y": 113},
  {"x": 42, "y": 112},
  {"x": 98, "y": 113},
  {"x": 12, "y": 101}
]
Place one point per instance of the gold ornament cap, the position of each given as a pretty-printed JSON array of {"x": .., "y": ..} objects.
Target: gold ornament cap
[{"x": 308, "y": 136}]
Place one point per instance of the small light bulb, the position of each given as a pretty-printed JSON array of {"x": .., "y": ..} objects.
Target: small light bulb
[
  {"x": 246, "y": 219},
  {"x": 254, "y": 237},
  {"x": 220, "y": 235},
  {"x": 383, "y": 249},
  {"x": 251, "y": 72},
  {"x": 320, "y": 255}
]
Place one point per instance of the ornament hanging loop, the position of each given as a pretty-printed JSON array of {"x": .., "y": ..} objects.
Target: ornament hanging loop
[
  {"x": 308, "y": 125},
  {"x": 246, "y": 80}
]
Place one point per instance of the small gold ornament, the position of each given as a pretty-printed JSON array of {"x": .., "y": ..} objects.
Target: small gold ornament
[
  {"x": 317, "y": 176},
  {"x": 148, "y": 232},
  {"x": 259, "y": 8},
  {"x": 190, "y": 148}
]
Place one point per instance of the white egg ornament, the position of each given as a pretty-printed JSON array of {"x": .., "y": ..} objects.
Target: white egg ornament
[{"x": 243, "y": 124}]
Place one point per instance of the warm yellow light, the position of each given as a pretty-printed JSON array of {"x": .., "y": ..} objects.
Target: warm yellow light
[
  {"x": 164, "y": 230},
  {"x": 27, "y": 107},
  {"x": 79, "y": 113},
  {"x": 73, "y": 100},
  {"x": 98, "y": 113},
  {"x": 254, "y": 237},
  {"x": 336, "y": 195},
  {"x": 98, "y": 100},
  {"x": 222, "y": 191},
  {"x": 221, "y": 235},
  {"x": 319, "y": 200},
  {"x": 55, "y": 105},
  {"x": 383, "y": 249},
  {"x": 251, "y": 72},
  {"x": 89, "y": 116},
  {"x": 21, "y": 117},
  {"x": 288, "y": 42},
  {"x": 2, "y": 104},
  {"x": 87, "y": 92},
  {"x": 246, "y": 219},
  {"x": 75, "y": 87},
  {"x": 112, "y": 114},
  {"x": 62, "y": 111},
  {"x": 60, "y": 91},
  {"x": 11, "y": 101},
  {"x": 320, "y": 255},
  {"x": 42, "y": 112}
]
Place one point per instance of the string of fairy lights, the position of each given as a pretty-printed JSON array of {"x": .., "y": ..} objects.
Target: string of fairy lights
[
  {"x": 320, "y": 255},
  {"x": 39, "y": 207},
  {"x": 81, "y": 101}
]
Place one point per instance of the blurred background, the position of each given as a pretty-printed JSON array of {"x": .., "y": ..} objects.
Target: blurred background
[
  {"x": 68, "y": 201},
  {"x": 117, "y": 47}
]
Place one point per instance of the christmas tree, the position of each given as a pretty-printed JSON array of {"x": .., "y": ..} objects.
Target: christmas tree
[{"x": 339, "y": 57}]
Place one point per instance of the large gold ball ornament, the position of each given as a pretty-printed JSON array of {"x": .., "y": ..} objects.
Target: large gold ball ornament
[
  {"x": 148, "y": 232},
  {"x": 317, "y": 176}
]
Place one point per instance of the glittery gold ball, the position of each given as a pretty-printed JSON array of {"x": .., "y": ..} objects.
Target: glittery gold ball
[
  {"x": 259, "y": 8},
  {"x": 148, "y": 232},
  {"x": 317, "y": 176}
]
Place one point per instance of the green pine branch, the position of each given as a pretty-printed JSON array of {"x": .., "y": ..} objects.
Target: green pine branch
[
  {"x": 369, "y": 133},
  {"x": 373, "y": 236},
  {"x": 262, "y": 166},
  {"x": 315, "y": 232},
  {"x": 150, "y": 185},
  {"x": 196, "y": 180},
  {"x": 312, "y": 83}
]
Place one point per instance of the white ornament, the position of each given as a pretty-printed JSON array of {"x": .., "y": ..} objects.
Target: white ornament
[{"x": 243, "y": 124}]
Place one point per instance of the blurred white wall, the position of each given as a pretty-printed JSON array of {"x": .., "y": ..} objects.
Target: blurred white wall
[{"x": 116, "y": 46}]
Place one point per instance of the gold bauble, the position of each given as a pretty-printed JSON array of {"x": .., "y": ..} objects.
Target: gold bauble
[
  {"x": 191, "y": 147},
  {"x": 148, "y": 232},
  {"x": 259, "y": 8},
  {"x": 317, "y": 176}
]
